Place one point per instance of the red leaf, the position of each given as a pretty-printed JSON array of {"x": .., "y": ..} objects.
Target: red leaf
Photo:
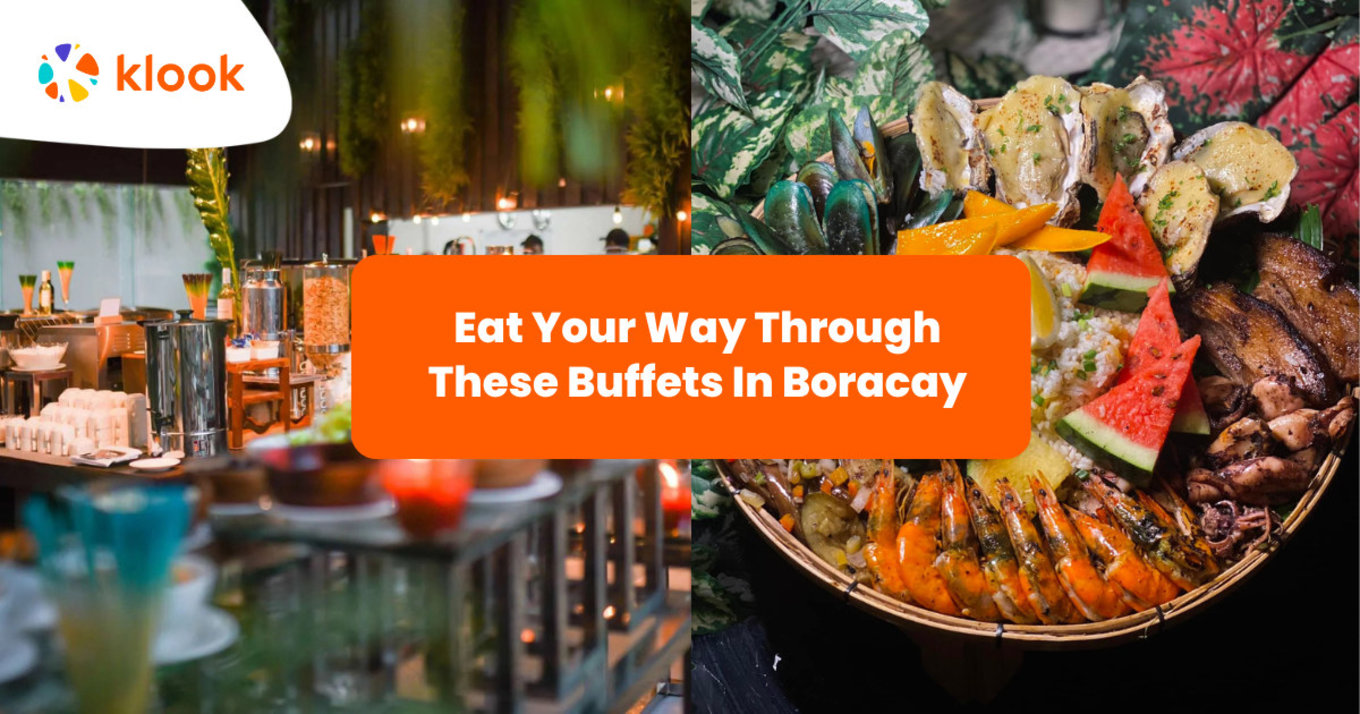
[
  {"x": 1329, "y": 167},
  {"x": 1222, "y": 60},
  {"x": 1326, "y": 85}
]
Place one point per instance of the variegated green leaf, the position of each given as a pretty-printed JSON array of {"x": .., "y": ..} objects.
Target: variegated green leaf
[
  {"x": 987, "y": 76},
  {"x": 705, "y": 232},
  {"x": 855, "y": 25},
  {"x": 727, "y": 146},
  {"x": 896, "y": 67},
  {"x": 886, "y": 83},
  {"x": 755, "y": 9},
  {"x": 783, "y": 67},
  {"x": 698, "y": 8},
  {"x": 716, "y": 65}
]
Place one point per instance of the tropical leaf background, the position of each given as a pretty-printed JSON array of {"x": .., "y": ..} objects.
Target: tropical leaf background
[{"x": 769, "y": 72}]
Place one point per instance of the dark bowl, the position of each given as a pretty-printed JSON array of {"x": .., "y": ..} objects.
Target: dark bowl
[{"x": 316, "y": 475}]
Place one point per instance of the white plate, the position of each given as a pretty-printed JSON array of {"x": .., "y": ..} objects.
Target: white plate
[
  {"x": 214, "y": 631},
  {"x": 23, "y": 606},
  {"x": 17, "y": 368},
  {"x": 18, "y": 655},
  {"x": 335, "y": 514},
  {"x": 153, "y": 465},
  {"x": 545, "y": 483}
]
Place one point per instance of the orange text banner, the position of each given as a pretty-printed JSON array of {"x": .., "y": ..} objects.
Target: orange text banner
[{"x": 623, "y": 357}]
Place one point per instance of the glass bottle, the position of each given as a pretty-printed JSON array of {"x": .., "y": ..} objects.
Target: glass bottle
[
  {"x": 46, "y": 294},
  {"x": 226, "y": 300}
]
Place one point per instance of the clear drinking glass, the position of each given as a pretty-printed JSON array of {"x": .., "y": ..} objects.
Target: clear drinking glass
[
  {"x": 64, "y": 269},
  {"x": 26, "y": 283}
]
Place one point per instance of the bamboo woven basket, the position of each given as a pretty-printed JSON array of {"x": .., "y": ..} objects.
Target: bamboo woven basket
[
  {"x": 1051, "y": 637},
  {"x": 1039, "y": 637}
]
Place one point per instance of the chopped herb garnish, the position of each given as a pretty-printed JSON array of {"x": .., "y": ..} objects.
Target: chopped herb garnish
[
  {"x": 1273, "y": 191},
  {"x": 1037, "y": 157},
  {"x": 1090, "y": 354},
  {"x": 1039, "y": 399},
  {"x": 1167, "y": 200},
  {"x": 1123, "y": 112},
  {"x": 1033, "y": 128}
]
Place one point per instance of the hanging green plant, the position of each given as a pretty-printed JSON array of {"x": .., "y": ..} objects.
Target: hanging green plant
[
  {"x": 207, "y": 174},
  {"x": 363, "y": 93},
  {"x": 443, "y": 170},
  {"x": 535, "y": 76},
  {"x": 658, "y": 137}
]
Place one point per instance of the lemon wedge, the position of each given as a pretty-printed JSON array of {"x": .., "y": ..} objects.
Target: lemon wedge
[{"x": 1043, "y": 307}]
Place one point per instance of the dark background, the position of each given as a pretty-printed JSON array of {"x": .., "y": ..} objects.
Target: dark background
[
  {"x": 1284, "y": 640},
  {"x": 293, "y": 201}
]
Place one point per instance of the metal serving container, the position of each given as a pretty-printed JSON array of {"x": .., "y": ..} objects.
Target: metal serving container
[
  {"x": 263, "y": 300},
  {"x": 186, "y": 383}
]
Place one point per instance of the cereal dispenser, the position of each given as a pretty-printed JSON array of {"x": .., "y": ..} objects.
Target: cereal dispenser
[{"x": 325, "y": 311}]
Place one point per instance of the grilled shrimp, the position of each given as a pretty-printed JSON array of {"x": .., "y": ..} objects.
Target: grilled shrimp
[
  {"x": 998, "y": 557},
  {"x": 1095, "y": 598},
  {"x": 917, "y": 548},
  {"x": 958, "y": 561},
  {"x": 1039, "y": 579},
  {"x": 1170, "y": 507},
  {"x": 1141, "y": 585},
  {"x": 880, "y": 550},
  {"x": 1166, "y": 549}
]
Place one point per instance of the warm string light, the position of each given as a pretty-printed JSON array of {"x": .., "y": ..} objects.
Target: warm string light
[
  {"x": 681, "y": 216},
  {"x": 377, "y": 217},
  {"x": 618, "y": 216},
  {"x": 412, "y": 125}
]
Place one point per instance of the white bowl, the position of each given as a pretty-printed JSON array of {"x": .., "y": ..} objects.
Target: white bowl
[
  {"x": 38, "y": 357},
  {"x": 192, "y": 580}
]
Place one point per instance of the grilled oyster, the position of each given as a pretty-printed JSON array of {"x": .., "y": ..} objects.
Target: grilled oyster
[
  {"x": 1126, "y": 133},
  {"x": 1247, "y": 167},
  {"x": 1034, "y": 140},
  {"x": 952, "y": 155},
  {"x": 1179, "y": 209}
]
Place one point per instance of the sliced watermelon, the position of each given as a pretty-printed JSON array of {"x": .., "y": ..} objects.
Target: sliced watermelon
[
  {"x": 1123, "y": 429},
  {"x": 1157, "y": 336},
  {"x": 1122, "y": 269}
]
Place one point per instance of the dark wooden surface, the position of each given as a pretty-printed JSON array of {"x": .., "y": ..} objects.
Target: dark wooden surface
[
  {"x": 1284, "y": 641},
  {"x": 41, "y": 472},
  {"x": 293, "y": 201}
]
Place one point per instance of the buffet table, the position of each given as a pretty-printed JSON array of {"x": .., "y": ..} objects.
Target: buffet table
[
  {"x": 31, "y": 471},
  {"x": 516, "y": 610}
]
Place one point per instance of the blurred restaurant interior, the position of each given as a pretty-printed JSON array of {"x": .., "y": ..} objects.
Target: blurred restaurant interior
[{"x": 185, "y": 524}]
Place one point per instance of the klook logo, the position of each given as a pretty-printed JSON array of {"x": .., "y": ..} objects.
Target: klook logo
[
  {"x": 171, "y": 77},
  {"x": 61, "y": 78},
  {"x": 147, "y": 74}
]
